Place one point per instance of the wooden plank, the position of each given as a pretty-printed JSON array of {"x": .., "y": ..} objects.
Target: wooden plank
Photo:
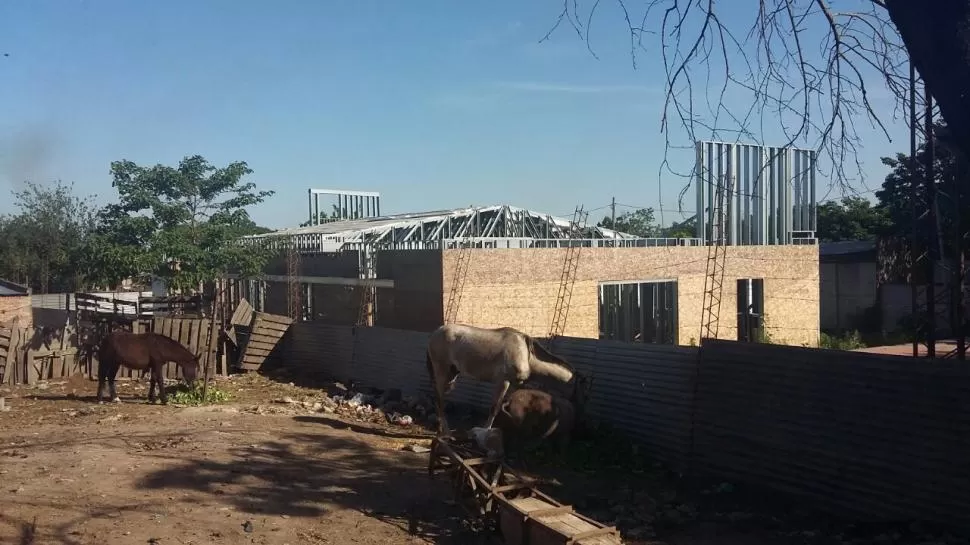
[{"x": 267, "y": 333}]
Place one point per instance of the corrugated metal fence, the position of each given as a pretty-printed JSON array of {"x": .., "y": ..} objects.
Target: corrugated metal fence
[
  {"x": 881, "y": 437},
  {"x": 641, "y": 389}
]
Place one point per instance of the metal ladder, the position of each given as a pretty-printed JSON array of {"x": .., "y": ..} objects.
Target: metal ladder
[
  {"x": 716, "y": 256},
  {"x": 465, "y": 248},
  {"x": 569, "y": 268}
]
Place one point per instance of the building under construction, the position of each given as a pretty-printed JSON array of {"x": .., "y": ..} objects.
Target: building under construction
[{"x": 750, "y": 273}]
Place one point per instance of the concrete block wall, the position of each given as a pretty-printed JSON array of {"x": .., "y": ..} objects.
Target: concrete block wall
[{"x": 518, "y": 288}]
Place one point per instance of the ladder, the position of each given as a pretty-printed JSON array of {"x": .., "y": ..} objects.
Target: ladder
[
  {"x": 716, "y": 255},
  {"x": 569, "y": 268},
  {"x": 458, "y": 282}
]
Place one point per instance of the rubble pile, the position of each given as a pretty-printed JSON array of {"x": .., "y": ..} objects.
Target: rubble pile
[{"x": 389, "y": 407}]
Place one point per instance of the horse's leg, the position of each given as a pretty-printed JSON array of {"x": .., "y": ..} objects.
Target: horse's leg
[
  {"x": 157, "y": 371},
  {"x": 111, "y": 384},
  {"x": 440, "y": 384},
  {"x": 102, "y": 378},
  {"x": 151, "y": 386},
  {"x": 501, "y": 388}
]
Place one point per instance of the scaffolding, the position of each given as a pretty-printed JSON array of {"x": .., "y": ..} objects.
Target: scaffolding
[
  {"x": 294, "y": 299},
  {"x": 568, "y": 278},
  {"x": 716, "y": 257}
]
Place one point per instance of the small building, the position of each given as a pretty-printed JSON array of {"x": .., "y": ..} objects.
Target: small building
[
  {"x": 849, "y": 284},
  {"x": 511, "y": 270},
  {"x": 15, "y": 305}
]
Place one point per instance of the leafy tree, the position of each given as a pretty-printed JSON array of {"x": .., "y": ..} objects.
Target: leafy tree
[
  {"x": 854, "y": 218},
  {"x": 639, "y": 222},
  {"x": 904, "y": 207},
  {"x": 684, "y": 229},
  {"x": 178, "y": 223},
  {"x": 40, "y": 245}
]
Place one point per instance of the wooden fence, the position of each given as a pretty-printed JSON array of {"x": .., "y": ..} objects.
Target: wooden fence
[
  {"x": 880, "y": 437},
  {"x": 25, "y": 359}
]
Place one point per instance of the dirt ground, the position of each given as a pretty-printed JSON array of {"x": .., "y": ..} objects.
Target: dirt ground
[{"x": 255, "y": 470}]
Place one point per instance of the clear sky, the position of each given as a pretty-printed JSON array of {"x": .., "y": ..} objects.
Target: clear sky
[{"x": 436, "y": 104}]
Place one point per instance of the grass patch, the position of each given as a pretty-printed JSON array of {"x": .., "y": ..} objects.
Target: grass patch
[
  {"x": 851, "y": 340},
  {"x": 183, "y": 394}
]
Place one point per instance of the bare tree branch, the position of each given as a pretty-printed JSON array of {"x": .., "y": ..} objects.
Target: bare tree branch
[{"x": 812, "y": 98}]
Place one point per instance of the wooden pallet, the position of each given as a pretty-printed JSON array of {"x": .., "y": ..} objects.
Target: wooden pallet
[
  {"x": 498, "y": 496},
  {"x": 264, "y": 335}
]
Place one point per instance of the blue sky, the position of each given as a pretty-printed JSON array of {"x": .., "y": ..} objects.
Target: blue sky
[{"x": 436, "y": 104}]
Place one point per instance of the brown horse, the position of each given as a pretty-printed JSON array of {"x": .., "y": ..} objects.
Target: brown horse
[{"x": 141, "y": 351}]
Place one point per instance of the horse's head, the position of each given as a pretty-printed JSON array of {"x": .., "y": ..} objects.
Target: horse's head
[{"x": 190, "y": 370}]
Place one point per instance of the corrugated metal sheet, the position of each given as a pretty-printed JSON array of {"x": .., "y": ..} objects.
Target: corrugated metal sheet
[
  {"x": 877, "y": 436},
  {"x": 319, "y": 350},
  {"x": 391, "y": 358},
  {"x": 641, "y": 389}
]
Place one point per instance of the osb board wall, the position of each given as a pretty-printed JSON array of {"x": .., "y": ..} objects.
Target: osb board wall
[
  {"x": 518, "y": 288},
  {"x": 16, "y": 308}
]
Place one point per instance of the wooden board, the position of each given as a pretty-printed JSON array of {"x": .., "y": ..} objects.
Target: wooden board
[
  {"x": 264, "y": 336},
  {"x": 549, "y": 523}
]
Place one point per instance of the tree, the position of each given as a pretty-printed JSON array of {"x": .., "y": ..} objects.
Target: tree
[
  {"x": 854, "y": 218},
  {"x": 325, "y": 217},
  {"x": 905, "y": 206},
  {"x": 814, "y": 84},
  {"x": 639, "y": 222},
  {"x": 40, "y": 245},
  {"x": 178, "y": 223}
]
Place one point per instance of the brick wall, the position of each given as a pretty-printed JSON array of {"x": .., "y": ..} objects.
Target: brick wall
[
  {"x": 518, "y": 288},
  {"x": 16, "y": 307}
]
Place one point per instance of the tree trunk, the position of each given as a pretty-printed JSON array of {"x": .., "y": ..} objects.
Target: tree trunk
[{"x": 937, "y": 36}]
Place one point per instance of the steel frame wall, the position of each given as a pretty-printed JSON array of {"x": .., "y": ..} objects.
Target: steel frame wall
[{"x": 772, "y": 199}]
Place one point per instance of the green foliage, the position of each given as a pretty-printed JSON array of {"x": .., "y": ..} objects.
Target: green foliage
[
  {"x": 638, "y": 222},
  {"x": 854, "y": 218},
  {"x": 182, "y": 394},
  {"x": 324, "y": 217},
  {"x": 41, "y": 243},
  {"x": 851, "y": 340},
  {"x": 177, "y": 223},
  {"x": 904, "y": 206},
  {"x": 684, "y": 229}
]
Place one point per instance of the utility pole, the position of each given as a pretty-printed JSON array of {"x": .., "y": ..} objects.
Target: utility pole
[{"x": 613, "y": 218}]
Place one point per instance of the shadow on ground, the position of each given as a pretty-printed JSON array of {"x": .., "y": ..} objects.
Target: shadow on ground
[{"x": 309, "y": 475}]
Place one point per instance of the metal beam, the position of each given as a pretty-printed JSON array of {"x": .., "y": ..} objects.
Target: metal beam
[
  {"x": 345, "y": 192},
  {"x": 327, "y": 280}
]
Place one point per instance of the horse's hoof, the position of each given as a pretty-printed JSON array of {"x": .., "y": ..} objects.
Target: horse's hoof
[{"x": 116, "y": 400}]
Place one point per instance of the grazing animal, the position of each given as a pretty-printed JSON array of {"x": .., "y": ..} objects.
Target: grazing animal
[
  {"x": 141, "y": 351},
  {"x": 503, "y": 356},
  {"x": 530, "y": 415}
]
